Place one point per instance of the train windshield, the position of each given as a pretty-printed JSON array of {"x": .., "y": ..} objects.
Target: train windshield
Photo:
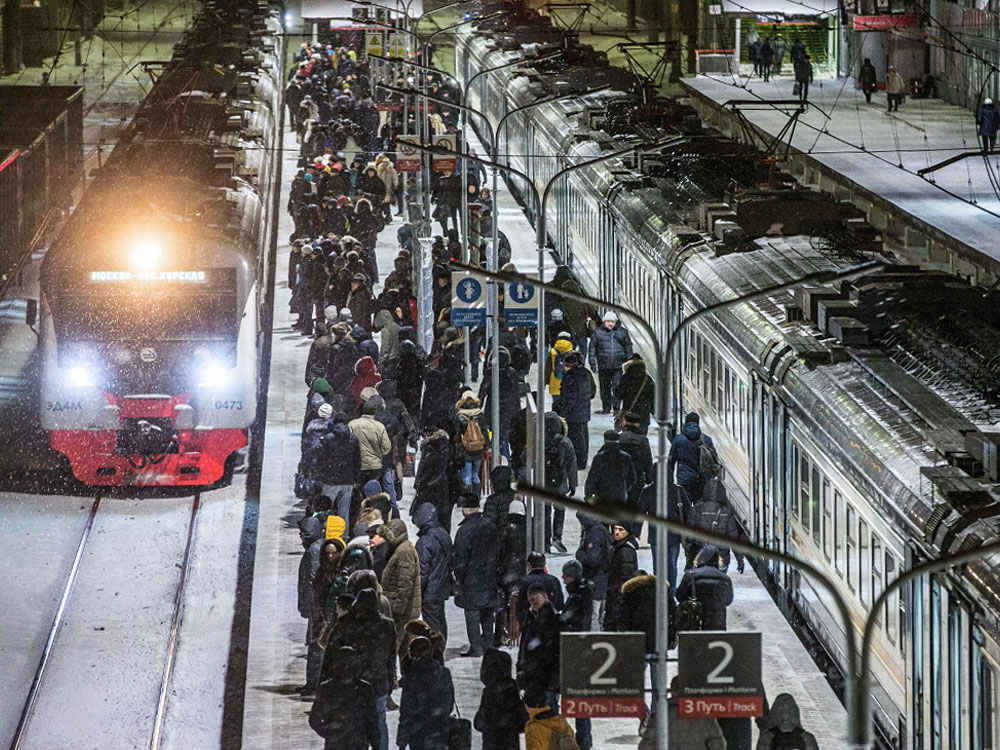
[{"x": 111, "y": 306}]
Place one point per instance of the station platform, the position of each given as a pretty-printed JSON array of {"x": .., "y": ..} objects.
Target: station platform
[
  {"x": 860, "y": 152},
  {"x": 275, "y": 716}
]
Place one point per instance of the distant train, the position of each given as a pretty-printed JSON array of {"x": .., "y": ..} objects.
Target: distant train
[
  {"x": 832, "y": 408},
  {"x": 150, "y": 298}
]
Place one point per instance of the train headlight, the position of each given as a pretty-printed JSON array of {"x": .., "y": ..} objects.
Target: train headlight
[
  {"x": 213, "y": 375},
  {"x": 82, "y": 376},
  {"x": 146, "y": 255}
]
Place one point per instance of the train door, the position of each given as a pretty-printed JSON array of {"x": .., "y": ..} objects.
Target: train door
[
  {"x": 610, "y": 268},
  {"x": 760, "y": 433},
  {"x": 774, "y": 509},
  {"x": 918, "y": 672},
  {"x": 983, "y": 699}
]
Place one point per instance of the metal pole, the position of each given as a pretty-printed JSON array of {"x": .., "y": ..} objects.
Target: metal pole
[{"x": 491, "y": 265}]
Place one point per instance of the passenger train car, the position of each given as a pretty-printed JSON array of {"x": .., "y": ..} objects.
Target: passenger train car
[
  {"x": 149, "y": 305},
  {"x": 855, "y": 421}
]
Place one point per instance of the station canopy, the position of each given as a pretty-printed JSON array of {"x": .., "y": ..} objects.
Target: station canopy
[
  {"x": 787, "y": 8},
  {"x": 322, "y": 9}
]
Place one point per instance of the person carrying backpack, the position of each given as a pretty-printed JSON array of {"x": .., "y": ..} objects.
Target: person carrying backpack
[
  {"x": 555, "y": 365},
  {"x": 560, "y": 477},
  {"x": 692, "y": 460},
  {"x": 715, "y": 513},
  {"x": 704, "y": 594},
  {"x": 472, "y": 431},
  {"x": 594, "y": 553},
  {"x": 576, "y": 392},
  {"x": 781, "y": 727},
  {"x": 546, "y": 728}
]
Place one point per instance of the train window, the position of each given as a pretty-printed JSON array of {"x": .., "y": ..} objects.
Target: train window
[
  {"x": 827, "y": 522},
  {"x": 694, "y": 370},
  {"x": 864, "y": 563},
  {"x": 852, "y": 545},
  {"x": 814, "y": 505},
  {"x": 983, "y": 700},
  {"x": 839, "y": 513},
  {"x": 744, "y": 413},
  {"x": 876, "y": 574},
  {"x": 804, "y": 468},
  {"x": 794, "y": 494},
  {"x": 720, "y": 389},
  {"x": 706, "y": 363},
  {"x": 956, "y": 676},
  {"x": 891, "y": 601},
  {"x": 727, "y": 398}
]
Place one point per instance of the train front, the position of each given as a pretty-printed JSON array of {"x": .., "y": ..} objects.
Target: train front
[{"x": 148, "y": 355}]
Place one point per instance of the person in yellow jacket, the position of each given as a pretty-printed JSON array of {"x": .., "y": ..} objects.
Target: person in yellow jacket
[
  {"x": 546, "y": 729},
  {"x": 554, "y": 367}
]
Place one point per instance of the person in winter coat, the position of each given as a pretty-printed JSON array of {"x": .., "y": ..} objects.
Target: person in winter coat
[
  {"x": 536, "y": 574},
  {"x": 401, "y": 577},
  {"x": 684, "y": 460},
  {"x": 338, "y": 465},
  {"x": 636, "y": 391},
  {"x": 370, "y": 184},
  {"x": 501, "y": 715},
  {"x": 311, "y": 532},
  {"x": 475, "y": 561},
  {"x": 410, "y": 378},
  {"x": 574, "y": 406},
  {"x": 388, "y": 329},
  {"x": 803, "y": 76},
  {"x": 988, "y": 122},
  {"x": 594, "y": 550},
  {"x": 555, "y": 365},
  {"x": 513, "y": 533},
  {"x": 435, "y": 551},
  {"x": 636, "y": 444},
  {"x": 387, "y": 174},
  {"x": 610, "y": 348},
  {"x": 781, "y": 727},
  {"x": 714, "y": 513},
  {"x": 612, "y": 474},
  {"x": 343, "y": 355},
  {"x": 560, "y": 477},
  {"x": 378, "y": 500},
  {"x": 867, "y": 77},
  {"x": 637, "y": 614},
  {"x": 624, "y": 564},
  {"x": 545, "y": 726},
  {"x": 366, "y": 344},
  {"x": 576, "y": 617},
  {"x": 509, "y": 399},
  {"x": 360, "y": 301},
  {"x": 365, "y": 376},
  {"x": 538, "y": 651},
  {"x": 710, "y": 586},
  {"x": 470, "y": 425},
  {"x": 577, "y": 316},
  {"x": 496, "y": 505},
  {"x": 687, "y": 734},
  {"x": 374, "y": 442},
  {"x": 778, "y": 46},
  {"x": 895, "y": 87},
  {"x": 432, "y": 483},
  {"x": 373, "y": 637},
  {"x": 428, "y": 695},
  {"x": 345, "y": 711}
]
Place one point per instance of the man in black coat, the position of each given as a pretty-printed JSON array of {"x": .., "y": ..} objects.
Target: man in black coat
[
  {"x": 538, "y": 652},
  {"x": 512, "y": 546},
  {"x": 537, "y": 575},
  {"x": 574, "y": 406},
  {"x": 710, "y": 586},
  {"x": 715, "y": 513},
  {"x": 636, "y": 391},
  {"x": 432, "y": 483},
  {"x": 576, "y": 617},
  {"x": 593, "y": 552},
  {"x": 612, "y": 475},
  {"x": 624, "y": 563},
  {"x": 476, "y": 554},
  {"x": 496, "y": 505},
  {"x": 637, "y": 614},
  {"x": 434, "y": 550}
]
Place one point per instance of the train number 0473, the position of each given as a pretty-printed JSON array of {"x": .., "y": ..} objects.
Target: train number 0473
[{"x": 229, "y": 405}]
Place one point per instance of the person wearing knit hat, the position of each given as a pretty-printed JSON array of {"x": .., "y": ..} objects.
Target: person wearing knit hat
[
  {"x": 325, "y": 411},
  {"x": 428, "y": 695},
  {"x": 610, "y": 348}
]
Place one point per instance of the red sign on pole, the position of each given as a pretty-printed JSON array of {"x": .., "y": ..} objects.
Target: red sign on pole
[
  {"x": 720, "y": 707},
  {"x": 603, "y": 708},
  {"x": 878, "y": 23},
  {"x": 389, "y": 107},
  {"x": 407, "y": 156},
  {"x": 449, "y": 142}
]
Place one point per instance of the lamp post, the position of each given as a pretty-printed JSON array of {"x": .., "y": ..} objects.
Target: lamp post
[{"x": 663, "y": 357}]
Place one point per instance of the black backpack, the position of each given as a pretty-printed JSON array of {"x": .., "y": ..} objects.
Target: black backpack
[
  {"x": 794, "y": 740},
  {"x": 688, "y": 615},
  {"x": 555, "y": 476}
]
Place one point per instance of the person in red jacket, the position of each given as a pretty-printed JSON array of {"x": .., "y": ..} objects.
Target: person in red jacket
[{"x": 365, "y": 376}]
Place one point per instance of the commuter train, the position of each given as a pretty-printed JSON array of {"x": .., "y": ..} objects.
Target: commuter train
[
  {"x": 150, "y": 299},
  {"x": 855, "y": 421}
]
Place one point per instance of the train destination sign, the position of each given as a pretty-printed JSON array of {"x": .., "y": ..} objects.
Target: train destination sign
[
  {"x": 180, "y": 277},
  {"x": 602, "y": 674},
  {"x": 720, "y": 675}
]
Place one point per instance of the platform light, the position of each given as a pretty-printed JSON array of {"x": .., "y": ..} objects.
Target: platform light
[
  {"x": 288, "y": 19},
  {"x": 146, "y": 254}
]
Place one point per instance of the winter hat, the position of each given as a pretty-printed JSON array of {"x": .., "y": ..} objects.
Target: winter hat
[
  {"x": 557, "y": 314},
  {"x": 610, "y": 315},
  {"x": 516, "y": 508},
  {"x": 360, "y": 277},
  {"x": 692, "y": 417},
  {"x": 368, "y": 393},
  {"x": 345, "y": 314},
  {"x": 325, "y": 411},
  {"x": 335, "y": 528},
  {"x": 573, "y": 358},
  {"x": 565, "y": 335},
  {"x": 321, "y": 386},
  {"x": 573, "y": 569},
  {"x": 372, "y": 487},
  {"x": 468, "y": 500},
  {"x": 632, "y": 418},
  {"x": 344, "y": 601},
  {"x": 987, "y": 101},
  {"x": 610, "y": 436},
  {"x": 420, "y": 648}
]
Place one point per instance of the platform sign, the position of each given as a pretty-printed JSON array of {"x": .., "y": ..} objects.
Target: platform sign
[
  {"x": 602, "y": 675},
  {"x": 373, "y": 43},
  {"x": 520, "y": 306},
  {"x": 407, "y": 156},
  {"x": 720, "y": 675},
  {"x": 468, "y": 299},
  {"x": 450, "y": 142}
]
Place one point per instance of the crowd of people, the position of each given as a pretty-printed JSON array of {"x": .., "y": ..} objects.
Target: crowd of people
[{"x": 372, "y": 587}]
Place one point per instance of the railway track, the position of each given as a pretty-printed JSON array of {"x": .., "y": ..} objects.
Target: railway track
[{"x": 32, "y": 732}]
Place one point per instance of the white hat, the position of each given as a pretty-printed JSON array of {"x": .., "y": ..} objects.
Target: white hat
[
  {"x": 987, "y": 101},
  {"x": 610, "y": 315},
  {"x": 516, "y": 508},
  {"x": 330, "y": 313},
  {"x": 557, "y": 314},
  {"x": 325, "y": 411}
]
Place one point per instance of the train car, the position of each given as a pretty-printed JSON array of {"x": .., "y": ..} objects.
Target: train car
[
  {"x": 855, "y": 422},
  {"x": 149, "y": 304}
]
